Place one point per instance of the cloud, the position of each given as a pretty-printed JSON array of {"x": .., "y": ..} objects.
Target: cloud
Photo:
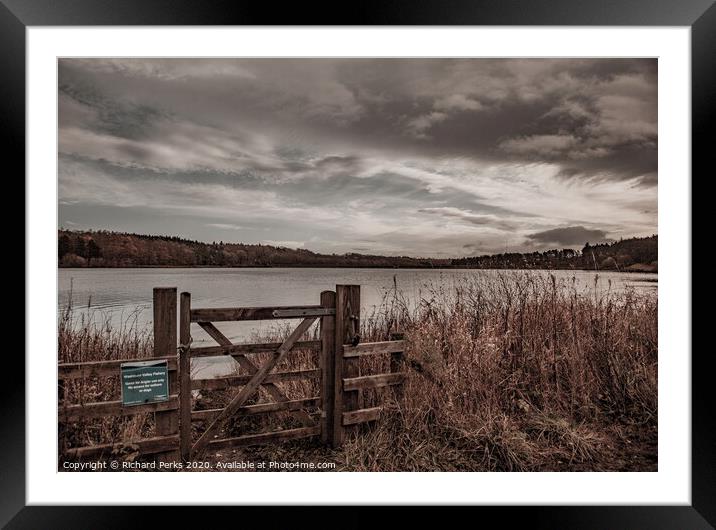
[
  {"x": 486, "y": 220},
  {"x": 540, "y": 145},
  {"x": 417, "y": 156},
  {"x": 419, "y": 126},
  {"x": 225, "y": 226},
  {"x": 286, "y": 244},
  {"x": 442, "y": 110},
  {"x": 570, "y": 236},
  {"x": 458, "y": 107},
  {"x": 457, "y": 102}
]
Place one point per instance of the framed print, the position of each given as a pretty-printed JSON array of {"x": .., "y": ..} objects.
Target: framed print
[{"x": 406, "y": 257}]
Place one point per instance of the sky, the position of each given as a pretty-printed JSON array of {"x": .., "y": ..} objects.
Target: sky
[{"x": 419, "y": 157}]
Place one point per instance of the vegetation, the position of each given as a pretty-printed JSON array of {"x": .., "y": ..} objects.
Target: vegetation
[
  {"x": 114, "y": 249},
  {"x": 521, "y": 372},
  {"x": 83, "y": 337},
  {"x": 507, "y": 372},
  {"x": 635, "y": 254}
]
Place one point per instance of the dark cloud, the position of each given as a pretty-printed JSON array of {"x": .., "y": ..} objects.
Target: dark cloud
[
  {"x": 570, "y": 236},
  {"x": 596, "y": 116}
]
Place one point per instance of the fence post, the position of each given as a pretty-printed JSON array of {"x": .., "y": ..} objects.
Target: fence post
[
  {"x": 347, "y": 327},
  {"x": 165, "y": 344},
  {"x": 185, "y": 376},
  {"x": 328, "y": 380}
]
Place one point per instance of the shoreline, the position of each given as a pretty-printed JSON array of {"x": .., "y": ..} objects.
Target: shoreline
[{"x": 357, "y": 267}]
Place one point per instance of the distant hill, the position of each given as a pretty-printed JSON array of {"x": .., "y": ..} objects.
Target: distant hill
[
  {"x": 116, "y": 249},
  {"x": 638, "y": 254}
]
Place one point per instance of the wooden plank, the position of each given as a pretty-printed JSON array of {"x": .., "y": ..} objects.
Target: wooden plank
[
  {"x": 185, "y": 376},
  {"x": 328, "y": 381},
  {"x": 347, "y": 325},
  {"x": 374, "y": 348},
  {"x": 372, "y": 381},
  {"x": 261, "y": 408},
  {"x": 251, "y": 368},
  {"x": 223, "y": 314},
  {"x": 158, "y": 444},
  {"x": 265, "y": 438},
  {"x": 214, "y": 333},
  {"x": 251, "y": 386},
  {"x": 303, "y": 312},
  {"x": 105, "y": 368},
  {"x": 361, "y": 416},
  {"x": 115, "y": 408},
  {"x": 165, "y": 323},
  {"x": 242, "y": 349},
  {"x": 219, "y": 383},
  {"x": 165, "y": 344}
]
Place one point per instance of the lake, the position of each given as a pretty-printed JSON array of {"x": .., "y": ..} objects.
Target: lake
[
  {"x": 124, "y": 296},
  {"x": 119, "y": 294}
]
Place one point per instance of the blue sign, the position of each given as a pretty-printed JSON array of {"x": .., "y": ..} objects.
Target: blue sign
[{"x": 144, "y": 382}]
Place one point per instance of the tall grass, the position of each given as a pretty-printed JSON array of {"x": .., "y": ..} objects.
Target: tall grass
[
  {"x": 517, "y": 371},
  {"x": 88, "y": 335},
  {"x": 507, "y": 371}
]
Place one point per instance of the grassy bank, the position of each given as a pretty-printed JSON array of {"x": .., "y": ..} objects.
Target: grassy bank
[{"x": 508, "y": 372}]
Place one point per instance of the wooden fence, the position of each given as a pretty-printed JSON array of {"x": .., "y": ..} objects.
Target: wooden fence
[{"x": 335, "y": 409}]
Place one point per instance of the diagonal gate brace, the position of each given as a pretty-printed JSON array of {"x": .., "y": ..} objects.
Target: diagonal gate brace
[
  {"x": 251, "y": 368},
  {"x": 248, "y": 390}
]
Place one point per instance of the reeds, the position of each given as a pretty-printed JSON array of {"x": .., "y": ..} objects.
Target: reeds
[
  {"x": 514, "y": 372},
  {"x": 88, "y": 335}
]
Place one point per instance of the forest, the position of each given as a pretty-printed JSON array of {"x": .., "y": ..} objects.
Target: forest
[
  {"x": 116, "y": 249},
  {"x": 635, "y": 254}
]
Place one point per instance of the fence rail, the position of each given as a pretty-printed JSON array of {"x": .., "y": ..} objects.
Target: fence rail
[
  {"x": 261, "y": 408},
  {"x": 242, "y": 349},
  {"x": 372, "y": 381},
  {"x": 361, "y": 415},
  {"x": 336, "y": 411},
  {"x": 256, "y": 313},
  {"x": 218, "y": 383},
  {"x": 105, "y": 368},
  {"x": 374, "y": 348},
  {"x": 115, "y": 408},
  {"x": 146, "y": 446},
  {"x": 265, "y": 437}
]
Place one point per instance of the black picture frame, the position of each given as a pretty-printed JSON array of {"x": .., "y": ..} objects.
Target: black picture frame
[{"x": 700, "y": 15}]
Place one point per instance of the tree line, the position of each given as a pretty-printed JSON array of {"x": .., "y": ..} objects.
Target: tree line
[
  {"x": 633, "y": 254},
  {"x": 117, "y": 249}
]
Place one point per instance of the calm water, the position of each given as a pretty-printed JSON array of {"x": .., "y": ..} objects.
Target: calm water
[{"x": 124, "y": 296}]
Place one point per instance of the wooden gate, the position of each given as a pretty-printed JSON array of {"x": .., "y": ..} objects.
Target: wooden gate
[
  {"x": 339, "y": 402},
  {"x": 258, "y": 375},
  {"x": 336, "y": 406}
]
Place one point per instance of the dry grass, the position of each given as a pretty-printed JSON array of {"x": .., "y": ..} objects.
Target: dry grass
[
  {"x": 508, "y": 372},
  {"x": 516, "y": 372},
  {"x": 89, "y": 336}
]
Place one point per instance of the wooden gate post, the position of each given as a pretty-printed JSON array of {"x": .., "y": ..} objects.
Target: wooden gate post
[
  {"x": 165, "y": 344},
  {"x": 328, "y": 379},
  {"x": 185, "y": 376},
  {"x": 347, "y": 328}
]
